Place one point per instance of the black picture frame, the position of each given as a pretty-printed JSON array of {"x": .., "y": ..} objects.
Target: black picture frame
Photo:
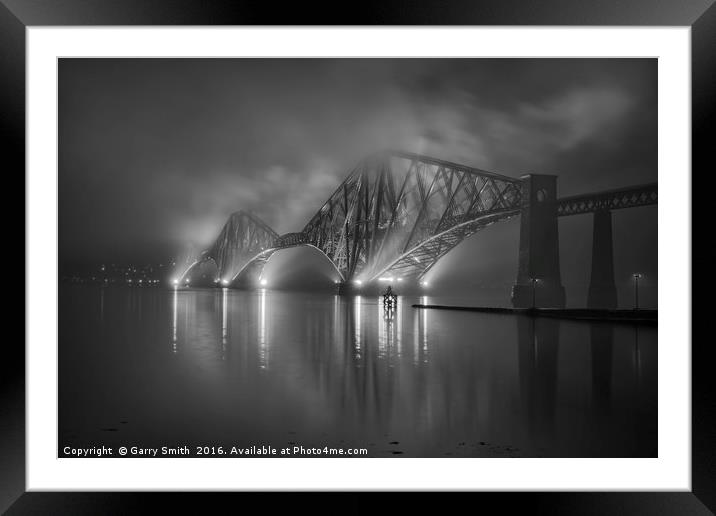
[{"x": 700, "y": 15}]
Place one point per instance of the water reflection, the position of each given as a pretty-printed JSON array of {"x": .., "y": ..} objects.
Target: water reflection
[
  {"x": 224, "y": 327},
  {"x": 399, "y": 327},
  {"x": 101, "y": 304},
  {"x": 263, "y": 339},
  {"x": 424, "y": 316},
  {"x": 602, "y": 342},
  {"x": 538, "y": 346},
  {"x": 320, "y": 368},
  {"x": 417, "y": 317},
  {"x": 356, "y": 323},
  {"x": 637, "y": 356},
  {"x": 174, "y": 321}
]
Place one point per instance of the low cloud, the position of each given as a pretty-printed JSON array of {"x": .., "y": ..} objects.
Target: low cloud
[{"x": 164, "y": 150}]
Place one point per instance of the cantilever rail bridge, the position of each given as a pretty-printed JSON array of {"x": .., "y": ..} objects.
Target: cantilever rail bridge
[{"x": 396, "y": 214}]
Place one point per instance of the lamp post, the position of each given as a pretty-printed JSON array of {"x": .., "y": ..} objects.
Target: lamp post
[
  {"x": 636, "y": 277},
  {"x": 534, "y": 282}
]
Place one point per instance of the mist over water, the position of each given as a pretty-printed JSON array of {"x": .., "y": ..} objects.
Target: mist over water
[{"x": 154, "y": 367}]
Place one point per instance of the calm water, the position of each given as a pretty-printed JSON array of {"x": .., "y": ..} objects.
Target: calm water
[{"x": 154, "y": 367}]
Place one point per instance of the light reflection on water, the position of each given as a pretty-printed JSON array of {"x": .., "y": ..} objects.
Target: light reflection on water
[{"x": 227, "y": 366}]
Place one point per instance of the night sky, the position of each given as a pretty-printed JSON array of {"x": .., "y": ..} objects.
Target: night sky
[{"x": 154, "y": 154}]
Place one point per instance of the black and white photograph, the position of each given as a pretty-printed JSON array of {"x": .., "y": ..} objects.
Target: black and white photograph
[
  {"x": 410, "y": 246},
  {"x": 357, "y": 257}
]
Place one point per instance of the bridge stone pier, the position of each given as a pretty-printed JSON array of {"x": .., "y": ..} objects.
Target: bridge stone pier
[
  {"x": 602, "y": 292},
  {"x": 602, "y": 287},
  {"x": 539, "y": 281}
]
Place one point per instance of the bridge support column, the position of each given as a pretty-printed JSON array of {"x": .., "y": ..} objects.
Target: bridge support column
[
  {"x": 602, "y": 288},
  {"x": 539, "y": 281}
]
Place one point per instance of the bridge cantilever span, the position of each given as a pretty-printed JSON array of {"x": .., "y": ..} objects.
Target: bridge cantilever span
[
  {"x": 242, "y": 238},
  {"x": 398, "y": 212}
]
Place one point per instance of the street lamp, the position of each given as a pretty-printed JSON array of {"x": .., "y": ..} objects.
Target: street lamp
[
  {"x": 534, "y": 284},
  {"x": 636, "y": 277}
]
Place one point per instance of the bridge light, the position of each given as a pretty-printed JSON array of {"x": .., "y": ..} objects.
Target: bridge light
[
  {"x": 224, "y": 282},
  {"x": 424, "y": 283},
  {"x": 263, "y": 282},
  {"x": 636, "y": 277},
  {"x": 400, "y": 279},
  {"x": 358, "y": 282},
  {"x": 175, "y": 281}
]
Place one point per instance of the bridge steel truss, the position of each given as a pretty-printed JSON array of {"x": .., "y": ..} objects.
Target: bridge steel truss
[
  {"x": 629, "y": 197},
  {"x": 243, "y": 237},
  {"x": 398, "y": 213}
]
